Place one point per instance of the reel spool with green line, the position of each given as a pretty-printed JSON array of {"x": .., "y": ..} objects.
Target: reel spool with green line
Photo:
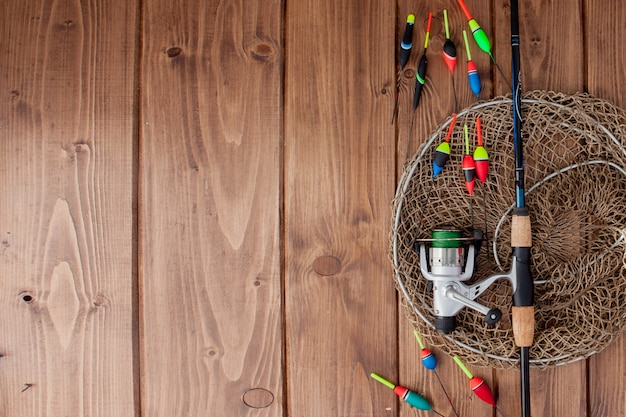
[
  {"x": 446, "y": 263},
  {"x": 446, "y": 238}
]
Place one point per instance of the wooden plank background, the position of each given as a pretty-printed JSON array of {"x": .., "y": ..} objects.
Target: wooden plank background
[
  {"x": 210, "y": 182},
  {"x": 195, "y": 202},
  {"x": 67, "y": 270}
]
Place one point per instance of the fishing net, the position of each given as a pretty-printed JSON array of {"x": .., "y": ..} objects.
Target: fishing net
[{"x": 575, "y": 170}]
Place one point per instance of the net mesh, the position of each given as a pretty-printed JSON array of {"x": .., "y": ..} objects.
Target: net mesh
[{"x": 575, "y": 156}]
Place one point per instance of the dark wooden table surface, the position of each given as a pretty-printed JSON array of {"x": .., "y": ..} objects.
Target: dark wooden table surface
[{"x": 196, "y": 199}]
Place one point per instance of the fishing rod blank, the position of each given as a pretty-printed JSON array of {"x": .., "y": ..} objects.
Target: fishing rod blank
[{"x": 523, "y": 320}]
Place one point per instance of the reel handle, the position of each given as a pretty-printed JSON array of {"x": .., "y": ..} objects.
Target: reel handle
[{"x": 492, "y": 315}]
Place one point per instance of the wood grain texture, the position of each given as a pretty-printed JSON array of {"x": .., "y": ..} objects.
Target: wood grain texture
[
  {"x": 210, "y": 205},
  {"x": 606, "y": 57},
  {"x": 551, "y": 45},
  {"x": 263, "y": 163},
  {"x": 66, "y": 181},
  {"x": 607, "y": 381},
  {"x": 339, "y": 182}
]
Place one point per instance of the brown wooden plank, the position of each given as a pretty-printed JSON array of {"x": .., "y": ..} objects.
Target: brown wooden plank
[
  {"x": 66, "y": 167},
  {"x": 210, "y": 201},
  {"x": 607, "y": 373},
  {"x": 559, "y": 391},
  {"x": 551, "y": 46},
  {"x": 554, "y": 392},
  {"x": 606, "y": 56},
  {"x": 339, "y": 183}
]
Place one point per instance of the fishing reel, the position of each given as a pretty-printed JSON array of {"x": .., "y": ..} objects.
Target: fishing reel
[{"x": 447, "y": 262}]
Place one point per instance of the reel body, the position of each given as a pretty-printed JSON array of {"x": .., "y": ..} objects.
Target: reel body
[{"x": 449, "y": 263}]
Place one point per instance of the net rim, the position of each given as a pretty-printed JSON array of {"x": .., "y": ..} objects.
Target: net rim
[{"x": 405, "y": 181}]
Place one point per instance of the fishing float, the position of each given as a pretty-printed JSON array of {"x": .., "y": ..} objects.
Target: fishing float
[
  {"x": 403, "y": 57},
  {"x": 469, "y": 172},
  {"x": 478, "y": 386},
  {"x": 522, "y": 312},
  {"x": 412, "y": 398},
  {"x": 472, "y": 71},
  {"x": 477, "y": 31},
  {"x": 481, "y": 156},
  {"x": 430, "y": 362},
  {"x": 481, "y": 160},
  {"x": 420, "y": 74},
  {"x": 420, "y": 79},
  {"x": 481, "y": 38},
  {"x": 442, "y": 152},
  {"x": 449, "y": 56}
]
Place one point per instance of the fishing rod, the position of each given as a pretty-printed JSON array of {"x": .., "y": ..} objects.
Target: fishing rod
[{"x": 523, "y": 320}]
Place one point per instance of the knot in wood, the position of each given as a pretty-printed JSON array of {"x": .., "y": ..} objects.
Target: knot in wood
[
  {"x": 100, "y": 301},
  {"x": 27, "y": 297},
  {"x": 262, "y": 52},
  {"x": 174, "y": 51},
  {"x": 81, "y": 147},
  {"x": 327, "y": 265},
  {"x": 258, "y": 398}
]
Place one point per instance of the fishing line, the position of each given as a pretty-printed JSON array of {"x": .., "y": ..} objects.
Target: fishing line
[
  {"x": 481, "y": 158},
  {"x": 484, "y": 190},
  {"x": 430, "y": 362},
  {"x": 500, "y": 69}
]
